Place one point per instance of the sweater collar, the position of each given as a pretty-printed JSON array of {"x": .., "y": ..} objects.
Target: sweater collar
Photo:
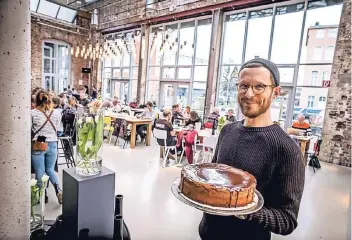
[{"x": 257, "y": 129}]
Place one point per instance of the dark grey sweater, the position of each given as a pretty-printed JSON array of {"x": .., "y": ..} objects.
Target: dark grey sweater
[{"x": 275, "y": 160}]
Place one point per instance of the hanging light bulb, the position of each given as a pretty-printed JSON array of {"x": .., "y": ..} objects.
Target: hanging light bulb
[
  {"x": 66, "y": 50},
  {"x": 72, "y": 51}
]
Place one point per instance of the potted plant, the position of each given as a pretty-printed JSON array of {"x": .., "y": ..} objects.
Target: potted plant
[
  {"x": 90, "y": 128},
  {"x": 37, "y": 203}
]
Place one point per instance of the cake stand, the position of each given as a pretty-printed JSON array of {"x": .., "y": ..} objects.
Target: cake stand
[{"x": 256, "y": 205}]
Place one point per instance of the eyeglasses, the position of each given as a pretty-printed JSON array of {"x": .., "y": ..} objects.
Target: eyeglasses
[{"x": 257, "y": 88}]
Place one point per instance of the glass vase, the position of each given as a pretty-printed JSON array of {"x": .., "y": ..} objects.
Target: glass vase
[
  {"x": 90, "y": 129},
  {"x": 37, "y": 208}
]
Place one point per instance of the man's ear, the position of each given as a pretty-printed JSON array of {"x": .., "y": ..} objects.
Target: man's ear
[{"x": 276, "y": 92}]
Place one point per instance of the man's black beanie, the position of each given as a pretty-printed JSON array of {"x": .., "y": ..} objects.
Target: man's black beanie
[{"x": 268, "y": 65}]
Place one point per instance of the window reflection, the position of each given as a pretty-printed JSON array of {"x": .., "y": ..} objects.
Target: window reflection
[
  {"x": 227, "y": 86},
  {"x": 259, "y": 27},
  {"x": 313, "y": 75},
  {"x": 287, "y": 32},
  {"x": 156, "y": 46},
  {"x": 170, "y": 44},
  {"x": 186, "y": 43},
  {"x": 234, "y": 38},
  {"x": 319, "y": 20},
  {"x": 203, "y": 42},
  {"x": 198, "y": 97}
]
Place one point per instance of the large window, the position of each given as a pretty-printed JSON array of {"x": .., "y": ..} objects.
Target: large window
[
  {"x": 120, "y": 75},
  {"x": 56, "y": 66},
  {"x": 303, "y": 55},
  {"x": 178, "y": 59}
]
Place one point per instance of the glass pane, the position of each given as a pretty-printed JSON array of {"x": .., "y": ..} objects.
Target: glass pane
[
  {"x": 203, "y": 42},
  {"x": 117, "y": 61},
  {"x": 227, "y": 91},
  {"x": 153, "y": 91},
  {"x": 198, "y": 97},
  {"x": 311, "y": 102},
  {"x": 134, "y": 89},
  {"x": 318, "y": 21},
  {"x": 182, "y": 95},
  {"x": 33, "y": 5},
  {"x": 259, "y": 27},
  {"x": 154, "y": 73},
  {"x": 313, "y": 75},
  {"x": 136, "y": 44},
  {"x": 48, "y": 8},
  {"x": 200, "y": 73},
  {"x": 156, "y": 46},
  {"x": 234, "y": 38},
  {"x": 184, "y": 73},
  {"x": 126, "y": 60},
  {"x": 135, "y": 73},
  {"x": 66, "y": 14},
  {"x": 278, "y": 108},
  {"x": 186, "y": 42},
  {"x": 329, "y": 53},
  {"x": 50, "y": 46},
  {"x": 47, "y": 83},
  {"x": 169, "y": 73},
  {"x": 47, "y": 65},
  {"x": 107, "y": 63},
  {"x": 53, "y": 66},
  {"x": 47, "y": 52},
  {"x": 287, "y": 32},
  {"x": 286, "y": 75},
  {"x": 116, "y": 73},
  {"x": 107, "y": 73},
  {"x": 168, "y": 93},
  {"x": 126, "y": 73},
  {"x": 169, "y": 46}
]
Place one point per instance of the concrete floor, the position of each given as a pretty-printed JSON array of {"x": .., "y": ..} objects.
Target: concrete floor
[{"x": 153, "y": 213}]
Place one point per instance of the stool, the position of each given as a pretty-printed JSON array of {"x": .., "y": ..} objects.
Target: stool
[{"x": 67, "y": 148}]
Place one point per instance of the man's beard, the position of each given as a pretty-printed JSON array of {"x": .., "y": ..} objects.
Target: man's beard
[{"x": 246, "y": 109}]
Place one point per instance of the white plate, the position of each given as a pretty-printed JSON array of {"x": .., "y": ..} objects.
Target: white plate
[{"x": 251, "y": 208}]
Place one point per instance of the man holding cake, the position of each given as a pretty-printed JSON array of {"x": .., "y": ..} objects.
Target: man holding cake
[{"x": 260, "y": 147}]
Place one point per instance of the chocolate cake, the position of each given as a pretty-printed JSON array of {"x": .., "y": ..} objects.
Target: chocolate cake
[{"x": 217, "y": 185}]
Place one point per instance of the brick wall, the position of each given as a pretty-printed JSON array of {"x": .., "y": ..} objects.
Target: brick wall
[
  {"x": 336, "y": 146},
  {"x": 48, "y": 30}
]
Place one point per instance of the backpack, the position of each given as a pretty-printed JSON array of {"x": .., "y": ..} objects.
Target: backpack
[{"x": 314, "y": 162}]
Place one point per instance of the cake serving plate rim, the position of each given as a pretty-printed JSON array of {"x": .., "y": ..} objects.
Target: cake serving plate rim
[{"x": 252, "y": 208}]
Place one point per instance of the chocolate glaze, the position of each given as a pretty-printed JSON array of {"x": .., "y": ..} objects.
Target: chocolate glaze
[{"x": 219, "y": 175}]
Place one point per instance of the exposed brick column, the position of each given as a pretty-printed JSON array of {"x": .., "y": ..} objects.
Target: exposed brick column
[
  {"x": 143, "y": 64},
  {"x": 336, "y": 146},
  {"x": 15, "y": 48}
]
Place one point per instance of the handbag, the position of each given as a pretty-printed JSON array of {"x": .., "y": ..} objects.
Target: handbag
[{"x": 42, "y": 146}]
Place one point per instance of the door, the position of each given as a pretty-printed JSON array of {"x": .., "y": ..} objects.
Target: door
[
  {"x": 120, "y": 89},
  {"x": 281, "y": 108},
  {"x": 174, "y": 93}
]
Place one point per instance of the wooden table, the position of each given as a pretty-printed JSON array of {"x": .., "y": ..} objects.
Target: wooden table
[
  {"x": 138, "y": 121},
  {"x": 304, "y": 145}
]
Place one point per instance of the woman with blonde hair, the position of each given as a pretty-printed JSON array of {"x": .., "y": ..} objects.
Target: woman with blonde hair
[{"x": 45, "y": 122}]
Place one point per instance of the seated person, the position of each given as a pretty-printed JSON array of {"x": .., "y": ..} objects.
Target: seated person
[
  {"x": 116, "y": 105},
  {"x": 212, "y": 119},
  {"x": 176, "y": 113},
  {"x": 194, "y": 118},
  {"x": 164, "y": 123},
  {"x": 148, "y": 113},
  {"x": 187, "y": 112},
  {"x": 230, "y": 117},
  {"x": 302, "y": 127},
  {"x": 107, "y": 103}
]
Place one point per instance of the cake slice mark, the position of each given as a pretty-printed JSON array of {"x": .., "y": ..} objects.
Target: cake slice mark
[
  {"x": 231, "y": 193},
  {"x": 236, "y": 198}
]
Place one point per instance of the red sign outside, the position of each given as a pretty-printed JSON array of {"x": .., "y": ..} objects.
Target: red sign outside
[{"x": 326, "y": 83}]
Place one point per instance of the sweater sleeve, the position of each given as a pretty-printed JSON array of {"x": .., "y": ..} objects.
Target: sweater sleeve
[{"x": 289, "y": 184}]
